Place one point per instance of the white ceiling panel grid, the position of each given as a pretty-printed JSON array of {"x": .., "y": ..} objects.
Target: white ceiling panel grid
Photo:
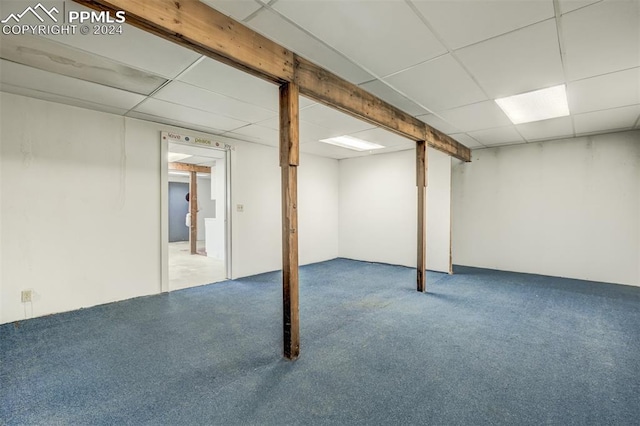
[
  {"x": 189, "y": 115},
  {"x": 329, "y": 118},
  {"x": 521, "y": 61},
  {"x": 478, "y": 116},
  {"x": 184, "y": 94},
  {"x": 237, "y": 9},
  {"x": 602, "y": 38},
  {"x": 47, "y": 82},
  {"x": 612, "y": 90},
  {"x": 463, "y": 22},
  {"x": 608, "y": 120},
  {"x": 134, "y": 47},
  {"x": 277, "y": 28},
  {"x": 381, "y": 36},
  {"x": 554, "y": 128},
  {"x": 438, "y": 84},
  {"x": 220, "y": 78},
  {"x": 497, "y": 136},
  {"x": 383, "y": 91}
]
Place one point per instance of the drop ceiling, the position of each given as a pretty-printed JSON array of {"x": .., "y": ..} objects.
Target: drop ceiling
[{"x": 441, "y": 61}]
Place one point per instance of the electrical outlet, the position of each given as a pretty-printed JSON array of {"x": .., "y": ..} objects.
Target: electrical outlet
[
  {"x": 26, "y": 296},
  {"x": 240, "y": 208}
]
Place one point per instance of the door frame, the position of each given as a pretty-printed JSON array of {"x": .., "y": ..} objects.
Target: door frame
[{"x": 165, "y": 137}]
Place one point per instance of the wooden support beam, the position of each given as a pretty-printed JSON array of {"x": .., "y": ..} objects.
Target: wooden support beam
[
  {"x": 421, "y": 181},
  {"x": 289, "y": 160},
  {"x": 193, "y": 209},
  {"x": 196, "y": 26},
  {"x": 189, "y": 167}
]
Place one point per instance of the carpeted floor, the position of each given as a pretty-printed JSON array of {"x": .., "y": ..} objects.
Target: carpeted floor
[{"x": 483, "y": 347}]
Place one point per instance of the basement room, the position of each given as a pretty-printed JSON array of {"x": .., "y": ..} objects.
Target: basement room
[{"x": 268, "y": 212}]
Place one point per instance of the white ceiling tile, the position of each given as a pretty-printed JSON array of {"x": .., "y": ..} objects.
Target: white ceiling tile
[
  {"x": 337, "y": 122},
  {"x": 24, "y": 91},
  {"x": 173, "y": 122},
  {"x": 554, "y": 128},
  {"x": 42, "y": 53},
  {"x": 497, "y": 136},
  {"x": 382, "y": 137},
  {"x": 382, "y": 36},
  {"x": 134, "y": 47},
  {"x": 438, "y": 123},
  {"x": 610, "y": 119},
  {"x": 220, "y": 78},
  {"x": 466, "y": 140},
  {"x": 389, "y": 95},
  {"x": 567, "y": 6},
  {"x": 438, "y": 84},
  {"x": 278, "y": 29},
  {"x": 326, "y": 150},
  {"x": 47, "y": 82},
  {"x": 481, "y": 115},
  {"x": 602, "y": 38},
  {"x": 464, "y": 22},
  {"x": 521, "y": 61},
  {"x": 189, "y": 115},
  {"x": 308, "y": 131},
  {"x": 185, "y": 94},
  {"x": 237, "y": 9},
  {"x": 603, "y": 92},
  {"x": 256, "y": 133}
]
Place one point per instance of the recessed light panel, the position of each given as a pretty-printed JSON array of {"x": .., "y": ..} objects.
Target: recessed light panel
[
  {"x": 352, "y": 143},
  {"x": 535, "y": 106}
]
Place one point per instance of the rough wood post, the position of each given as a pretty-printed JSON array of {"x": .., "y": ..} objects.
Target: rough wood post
[
  {"x": 289, "y": 160},
  {"x": 193, "y": 209},
  {"x": 421, "y": 180}
]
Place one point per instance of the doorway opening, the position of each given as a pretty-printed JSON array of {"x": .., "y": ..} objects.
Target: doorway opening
[{"x": 196, "y": 224}]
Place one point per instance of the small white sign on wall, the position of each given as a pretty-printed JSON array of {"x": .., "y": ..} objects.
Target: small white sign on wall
[{"x": 194, "y": 140}]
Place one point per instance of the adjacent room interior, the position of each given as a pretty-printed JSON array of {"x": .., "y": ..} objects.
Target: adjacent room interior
[{"x": 182, "y": 215}]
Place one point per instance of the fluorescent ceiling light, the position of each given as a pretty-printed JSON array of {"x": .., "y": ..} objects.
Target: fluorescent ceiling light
[
  {"x": 537, "y": 105},
  {"x": 179, "y": 173},
  {"x": 350, "y": 142},
  {"x": 176, "y": 156}
]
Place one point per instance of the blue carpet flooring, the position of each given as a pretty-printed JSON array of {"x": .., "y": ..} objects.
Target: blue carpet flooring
[{"x": 483, "y": 347}]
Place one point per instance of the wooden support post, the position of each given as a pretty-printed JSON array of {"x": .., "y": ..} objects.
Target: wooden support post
[
  {"x": 421, "y": 177},
  {"x": 289, "y": 160},
  {"x": 193, "y": 209}
]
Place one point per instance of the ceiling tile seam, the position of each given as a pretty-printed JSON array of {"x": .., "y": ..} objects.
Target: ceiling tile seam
[
  {"x": 274, "y": 111},
  {"x": 319, "y": 40},
  {"x": 561, "y": 49},
  {"x": 89, "y": 81},
  {"x": 106, "y": 58},
  {"x": 202, "y": 110},
  {"x": 450, "y": 51},
  {"x": 582, "y": 7},
  {"x": 166, "y": 83},
  {"x": 503, "y": 34},
  {"x": 97, "y": 104},
  {"x": 171, "y": 122},
  {"x": 469, "y": 136},
  {"x": 605, "y": 109},
  {"x": 637, "y": 122},
  {"x": 254, "y": 13},
  {"x": 603, "y": 74}
]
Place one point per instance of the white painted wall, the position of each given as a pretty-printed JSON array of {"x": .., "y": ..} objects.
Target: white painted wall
[
  {"x": 568, "y": 208},
  {"x": 378, "y": 209},
  {"x": 80, "y": 208},
  {"x": 76, "y": 185},
  {"x": 257, "y": 244}
]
